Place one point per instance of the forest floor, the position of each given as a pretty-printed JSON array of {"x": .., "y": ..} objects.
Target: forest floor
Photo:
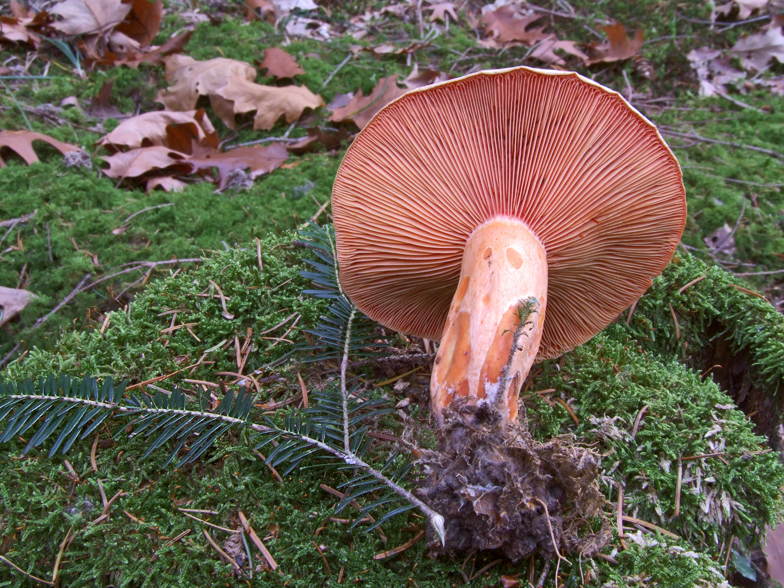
[{"x": 94, "y": 205}]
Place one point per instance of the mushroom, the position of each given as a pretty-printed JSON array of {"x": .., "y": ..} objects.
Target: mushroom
[{"x": 470, "y": 210}]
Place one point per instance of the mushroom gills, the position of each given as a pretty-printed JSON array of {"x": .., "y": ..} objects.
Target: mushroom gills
[{"x": 499, "y": 305}]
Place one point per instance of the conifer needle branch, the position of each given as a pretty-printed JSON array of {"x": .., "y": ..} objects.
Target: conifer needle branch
[{"x": 343, "y": 387}]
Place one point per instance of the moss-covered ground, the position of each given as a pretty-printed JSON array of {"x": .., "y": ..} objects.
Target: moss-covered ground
[{"x": 645, "y": 394}]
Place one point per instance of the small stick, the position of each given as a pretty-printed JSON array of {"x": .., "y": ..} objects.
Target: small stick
[
  {"x": 58, "y": 561},
  {"x": 675, "y": 320},
  {"x": 280, "y": 324},
  {"x": 650, "y": 526},
  {"x": 304, "y": 389},
  {"x": 678, "y": 488},
  {"x": 49, "y": 243},
  {"x": 619, "y": 511},
  {"x": 210, "y": 524},
  {"x": 336, "y": 70},
  {"x": 258, "y": 255},
  {"x": 62, "y": 303},
  {"x": 697, "y": 137},
  {"x": 637, "y": 420},
  {"x": 146, "y": 209},
  {"x": 690, "y": 284},
  {"x": 313, "y": 219},
  {"x": 108, "y": 505},
  {"x": 324, "y": 559},
  {"x": 568, "y": 409},
  {"x": 93, "y": 461},
  {"x": 201, "y": 510},
  {"x": 15, "y": 221},
  {"x": 631, "y": 311},
  {"x": 226, "y": 314},
  {"x": 729, "y": 551},
  {"x": 223, "y": 554},
  {"x": 401, "y": 548},
  {"x": 749, "y": 292},
  {"x": 258, "y": 542},
  {"x": 21, "y": 571}
]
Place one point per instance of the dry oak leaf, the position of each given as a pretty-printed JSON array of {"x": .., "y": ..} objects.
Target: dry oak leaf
[
  {"x": 138, "y": 162},
  {"x": 440, "y": 10},
  {"x": 257, "y": 161},
  {"x": 143, "y": 22},
  {"x": 280, "y": 64},
  {"x": 174, "y": 130},
  {"x": 745, "y": 7},
  {"x": 545, "y": 51},
  {"x": 756, "y": 50},
  {"x": 361, "y": 109},
  {"x": 19, "y": 27},
  {"x": 259, "y": 10},
  {"x": 89, "y": 17},
  {"x": 505, "y": 25},
  {"x": 419, "y": 79},
  {"x": 618, "y": 46},
  {"x": 151, "y": 55},
  {"x": 317, "y": 136},
  {"x": 713, "y": 71},
  {"x": 21, "y": 142},
  {"x": 165, "y": 183},
  {"x": 12, "y": 302},
  {"x": 191, "y": 79},
  {"x": 269, "y": 102}
]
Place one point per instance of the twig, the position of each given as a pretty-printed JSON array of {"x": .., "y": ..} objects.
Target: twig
[
  {"x": 226, "y": 314},
  {"x": 21, "y": 571},
  {"x": 313, "y": 219},
  {"x": 769, "y": 273},
  {"x": 222, "y": 553},
  {"x": 675, "y": 320},
  {"x": 49, "y": 242},
  {"x": 747, "y": 291},
  {"x": 737, "y": 102},
  {"x": 696, "y": 137},
  {"x": 137, "y": 266},
  {"x": 10, "y": 354},
  {"x": 336, "y": 70},
  {"x": 58, "y": 561},
  {"x": 619, "y": 511},
  {"x": 258, "y": 255},
  {"x": 552, "y": 538},
  {"x": 62, "y": 303},
  {"x": 146, "y": 209},
  {"x": 568, "y": 408},
  {"x": 15, "y": 221},
  {"x": 258, "y": 542},
  {"x": 650, "y": 526},
  {"x": 209, "y": 524},
  {"x": 400, "y": 548},
  {"x": 637, "y": 420},
  {"x": 678, "y": 485},
  {"x": 396, "y": 378},
  {"x": 690, "y": 284}
]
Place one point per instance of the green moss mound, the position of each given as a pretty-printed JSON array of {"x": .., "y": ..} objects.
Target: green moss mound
[{"x": 633, "y": 389}]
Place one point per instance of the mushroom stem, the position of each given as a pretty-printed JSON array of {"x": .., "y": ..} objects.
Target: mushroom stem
[{"x": 495, "y": 322}]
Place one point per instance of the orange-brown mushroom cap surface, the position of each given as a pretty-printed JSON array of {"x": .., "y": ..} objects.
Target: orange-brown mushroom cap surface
[{"x": 587, "y": 174}]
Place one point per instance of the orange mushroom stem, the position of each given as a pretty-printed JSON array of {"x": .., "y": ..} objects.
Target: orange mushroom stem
[{"x": 495, "y": 321}]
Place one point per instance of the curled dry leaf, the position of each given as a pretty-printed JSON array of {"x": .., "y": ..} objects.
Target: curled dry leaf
[
  {"x": 545, "y": 51},
  {"x": 165, "y": 183},
  {"x": 317, "y": 136},
  {"x": 12, "y": 302},
  {"x": 143, "y": 22},
  {"x": 280, "y": 64},
  {"x": 21, "y": 143},
  {"x": 745, "y": 8},
  {"x": 269, "y": 102},
  {"x": 713, "y": 71},
  {"x": 23, "y": 25},
  {"x": 89, "y": 17},
  {"x": 506, "y": 25},
  {"x": 153, "y": 165},
  {"x": 360, "y": 109},
  {"x": 618, "y": 46},
  {"x": 180, "y": 131},
  {"x": 150, "y": 55},
  {"x": 191, "y": 79},
  {"x": 440, "y": 10},
  {"x": 756, "y": 50},
  {"x": 419, "y": 79},
  {"x": 259, "y": 10}
]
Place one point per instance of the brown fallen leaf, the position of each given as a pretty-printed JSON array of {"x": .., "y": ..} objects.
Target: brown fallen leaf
[
  {"x": 506, "y": 25},
  {"x": 317, "y": 136},
  {"x": 361, "y": 109},
  {"x": 419, "y": 79},
  {"x": 280, "y": 64},
  {"x": 545, "y": 51},
  {"x": 269, "y": 102},
  {"x": 618, "y": 46},
  {"x": 440, "y": 10},
  {"x": 180, "y": 131},
  {"x": 21, "y": 143},
  {"x": 23, "y": 25},
  {"x": 191, "y": 79},
  {"x": 143, "y": 21},
  {"x": 756, "y": 50},
  {"x": 12, "y": 302},
  {"x": 139, "y": 162},
  {"x": 151, "y": 55},
  {"x": 390, "y": 49},
  {"x": 165, "y": 183},
  {"x": 89, "y": 17},
  {"x": 259, "y": 10},
  {"x": 713, "y": 71},
  {"x": 256, "y": 160},
  {"x": 745, "y": 8},
  {"x": 153, "y": 165}
]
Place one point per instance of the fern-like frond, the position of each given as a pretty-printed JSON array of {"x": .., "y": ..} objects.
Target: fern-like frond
[
  {"x": 330, "y": 334},
  {"x": 73, "y": 408}
]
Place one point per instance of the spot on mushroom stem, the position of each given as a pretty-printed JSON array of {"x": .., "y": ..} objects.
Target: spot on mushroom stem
[{"x": 498, "y": 354}]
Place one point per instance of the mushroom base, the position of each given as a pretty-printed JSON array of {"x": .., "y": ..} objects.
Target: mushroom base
[
  {"x": 499, "y": 489},
  {"x": 495, "y": 322}
]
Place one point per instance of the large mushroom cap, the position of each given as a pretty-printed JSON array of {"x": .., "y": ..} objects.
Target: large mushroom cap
[{"x": 587, "y": 173}]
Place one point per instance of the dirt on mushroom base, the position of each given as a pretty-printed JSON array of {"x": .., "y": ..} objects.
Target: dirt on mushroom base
[{"x": 500, "y": 489}]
